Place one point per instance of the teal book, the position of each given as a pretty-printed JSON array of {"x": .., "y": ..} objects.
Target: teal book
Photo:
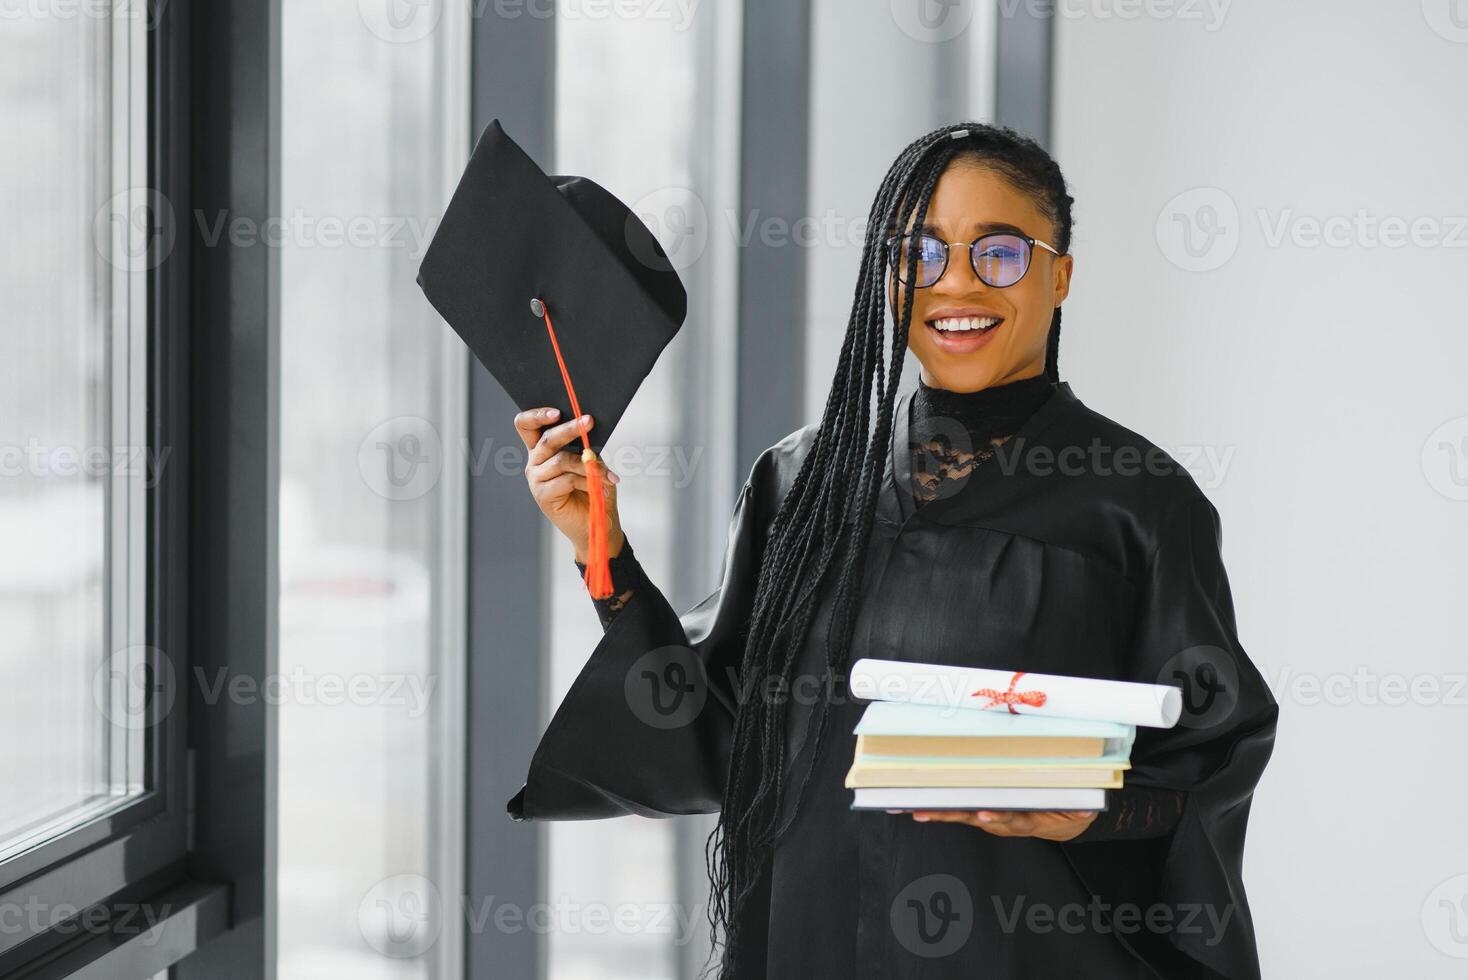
[{"x": 891, "y": 728}]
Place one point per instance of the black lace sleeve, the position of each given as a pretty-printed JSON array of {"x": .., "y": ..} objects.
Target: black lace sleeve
[
  {"x": 1136, "y": 813},
  {"x": 627, "y": 578}
]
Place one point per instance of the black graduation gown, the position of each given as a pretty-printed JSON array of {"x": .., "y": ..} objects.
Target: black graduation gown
[{"x": 1080, "y": 548}]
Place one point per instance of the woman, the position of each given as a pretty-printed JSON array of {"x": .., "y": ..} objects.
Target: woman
[{"x": 989, "y": 519}]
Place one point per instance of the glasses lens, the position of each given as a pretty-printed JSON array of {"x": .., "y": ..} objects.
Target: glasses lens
[
  {"x": 922, "y": 252},
  {"x": 1001, "y": 260}
]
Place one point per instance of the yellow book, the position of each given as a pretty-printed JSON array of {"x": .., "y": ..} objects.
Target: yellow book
[
  {"x": 983, "y": 746},
  {"x": 866, "y": 772}
]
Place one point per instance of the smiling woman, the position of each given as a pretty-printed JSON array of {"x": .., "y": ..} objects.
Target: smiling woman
[
  {"x": 986, "y": 319},
  {"x": 994, "y": 520}
]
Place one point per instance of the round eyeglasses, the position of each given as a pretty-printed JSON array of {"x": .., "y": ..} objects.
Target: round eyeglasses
[{"x": 999, "y": 259}]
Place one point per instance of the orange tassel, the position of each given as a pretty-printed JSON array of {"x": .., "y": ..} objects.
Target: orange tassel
[{"x": 598, "y": 570}]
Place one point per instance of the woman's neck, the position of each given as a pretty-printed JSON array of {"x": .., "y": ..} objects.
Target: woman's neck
[
  {"x": 951, "y": 432},
  {"x": 989, "y": 412}
]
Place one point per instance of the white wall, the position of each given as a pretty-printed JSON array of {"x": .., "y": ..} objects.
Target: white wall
[{"x": 1321, "y": 374}]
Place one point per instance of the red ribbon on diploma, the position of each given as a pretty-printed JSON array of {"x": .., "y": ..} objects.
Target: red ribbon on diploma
[{"x": 1011, "y": 697}]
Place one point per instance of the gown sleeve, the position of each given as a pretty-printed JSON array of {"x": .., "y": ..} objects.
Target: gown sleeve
[
  {"x": 1136, "y": 813},
  {"x": 1193, "y": 876},
  {"x": 646, "y": 726},
  {"x": 628, "y": 579}
]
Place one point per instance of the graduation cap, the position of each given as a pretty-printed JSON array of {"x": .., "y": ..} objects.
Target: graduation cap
[{"x": 549, "y": 279}]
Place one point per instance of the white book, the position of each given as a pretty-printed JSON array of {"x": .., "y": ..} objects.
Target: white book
[{"x": 978, "y": 798}]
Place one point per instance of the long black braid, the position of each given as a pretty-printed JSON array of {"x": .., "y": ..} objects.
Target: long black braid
[{"x": 825, "y": 519}]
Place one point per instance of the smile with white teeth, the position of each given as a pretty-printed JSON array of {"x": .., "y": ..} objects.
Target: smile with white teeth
[{"x": 964, "y": 323}]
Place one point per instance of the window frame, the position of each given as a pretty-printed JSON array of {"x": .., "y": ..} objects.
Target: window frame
[{"x": 134, "y": 854}]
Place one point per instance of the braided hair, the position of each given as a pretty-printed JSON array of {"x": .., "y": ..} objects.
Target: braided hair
[{"x": 824, "y": 521}]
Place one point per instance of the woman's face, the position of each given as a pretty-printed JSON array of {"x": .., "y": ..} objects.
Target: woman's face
[{"x": 970, "y": 200}]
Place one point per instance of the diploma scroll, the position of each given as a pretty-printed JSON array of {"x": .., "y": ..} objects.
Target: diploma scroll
[{"x": 1018, "y": 692}]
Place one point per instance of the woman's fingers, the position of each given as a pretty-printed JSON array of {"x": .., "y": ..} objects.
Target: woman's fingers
[
  {"x": 960, "y": 816},
  {"x": 561, "y": 462},
  {"x": 560, "y": 486},
  {"x": 558, "y": 477},
  {"x": 543, "y": 439},
  {"x": 1006, "y": 824},
  {"x": 556, "y": 437},
  {"x": 1049, "y": 824},
  {"x": 530, "y": 422},
  {"x": 557, "y": 464}
]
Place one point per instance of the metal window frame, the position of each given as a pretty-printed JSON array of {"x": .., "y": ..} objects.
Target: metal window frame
[
  {"x": 1023, "y": 76},
  {"x": 231, "y": 91},
  {"x": 774, "y": 164},
  {"x": 512, "y": 68},
  {"x": 136, "y": 855},
  {"x": 448, "y": 778}
]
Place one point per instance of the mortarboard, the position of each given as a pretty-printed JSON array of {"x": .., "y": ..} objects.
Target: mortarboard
[{"x": 550, "y": 280}]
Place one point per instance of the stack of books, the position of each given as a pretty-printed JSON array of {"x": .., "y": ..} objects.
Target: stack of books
[
  {"x": 956, "y": 738},
  {"x": 929, "y": 757}
]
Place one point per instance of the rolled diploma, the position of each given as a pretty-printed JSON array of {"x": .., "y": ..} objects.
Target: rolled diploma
[{"x": 1124, "y": 702}]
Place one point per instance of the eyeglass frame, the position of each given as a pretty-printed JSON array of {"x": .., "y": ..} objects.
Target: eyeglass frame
[{"x": 949, "y": 246}]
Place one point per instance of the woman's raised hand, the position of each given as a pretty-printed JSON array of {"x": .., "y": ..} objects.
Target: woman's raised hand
[{"x": 558, "y": 479}]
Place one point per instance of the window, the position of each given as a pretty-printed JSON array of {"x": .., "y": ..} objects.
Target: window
[
  {"x": 374, "y": 132},
  {"x": 92, "y": 699},
  {"x": 76, "y": 673},
  {"x": 646, "y": 877}
]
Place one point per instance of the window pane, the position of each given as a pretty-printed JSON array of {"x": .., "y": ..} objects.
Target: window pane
[
  {"x": 368, "y": 408},
  {"x": 642, "y": 149},
  {"x": 71, "y": 387}
]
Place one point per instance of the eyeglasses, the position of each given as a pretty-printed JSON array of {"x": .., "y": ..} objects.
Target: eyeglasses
[{"x": 999, "y": 259}]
